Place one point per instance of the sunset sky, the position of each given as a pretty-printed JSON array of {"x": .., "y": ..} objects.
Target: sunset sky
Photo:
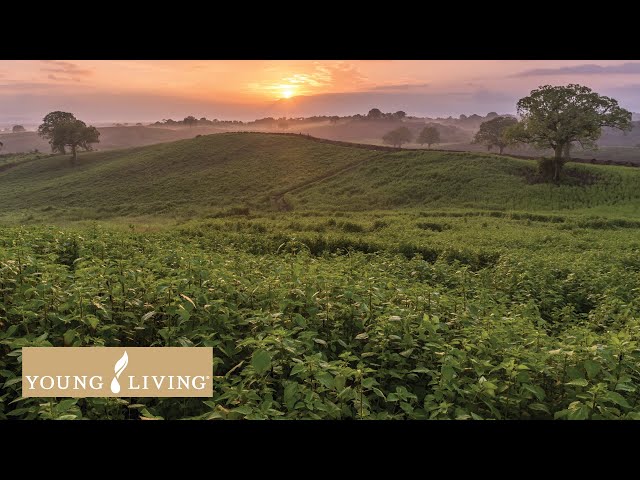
[{"x": 149, "y": 90}]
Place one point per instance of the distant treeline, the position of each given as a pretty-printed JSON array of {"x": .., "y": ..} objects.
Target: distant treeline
[{"x": 375, "y": 114}]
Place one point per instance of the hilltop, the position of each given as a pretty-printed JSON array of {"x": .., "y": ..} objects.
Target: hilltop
[{"x": 215, "y": 173}]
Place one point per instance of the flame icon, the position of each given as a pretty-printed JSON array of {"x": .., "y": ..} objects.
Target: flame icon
[{"x": 119, "y": 368}]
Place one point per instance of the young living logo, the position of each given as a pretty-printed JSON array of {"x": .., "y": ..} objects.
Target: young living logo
[{"x": 155, "y": 372}]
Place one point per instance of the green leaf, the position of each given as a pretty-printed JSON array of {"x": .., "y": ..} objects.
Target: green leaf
[
  {"x": 326, "y": 379},
  {"x": 68, "y": 337},
  {"x": 421, "y": 370},
  {"x": 379, "y": 393},
  {"x": 148, "y": 315},
  {"x": 261, "y": 361},
  {"x": 578, "y": 382},
  {"x": 617, "y": 399},
  {"x": 64, "y": 405},
  {"x": 369, "y": 382},
  {"x": 67, "y": 417},
  {"x": 447, "y": 372},
  {"x": 591, "y": 367},
  {"x": 13, "y": 381},
  {"x": 320, "y": 341},
  {"x": 188, "y": 300},
  {"x": 243, "y": 409},
  {"x": 362, "y": 336},
  {"x": 624, "y": 387},
  {"x": 540, "y": 408},
  {"x": 536, "y": 390},
  {"x": 93, "y": 321},
  {"x": 578, "y": 411},
  {"x": 184, "y": 313}
]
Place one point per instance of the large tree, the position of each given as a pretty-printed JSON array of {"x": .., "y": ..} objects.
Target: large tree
[
  {"x": 18, "y": 128},
  {"x": 557, "y": 116},
  {"x": 63, "y": 130},
  {"x": 493, "y": 133},
  {"x": 429, "y": 135},
  {"x": 397, "y": 137},
  {"x": 375, "y": 114},
  {"x": 190, "y": 121}
]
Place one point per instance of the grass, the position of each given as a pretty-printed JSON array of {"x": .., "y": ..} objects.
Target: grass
[
  {"x": 210, "y": 175},
  {"x": 212, "y": 172},
  {"x": 468, "y": 180}
]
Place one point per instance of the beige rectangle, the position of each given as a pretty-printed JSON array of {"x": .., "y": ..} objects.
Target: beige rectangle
[{"x": 117, "y": 372}]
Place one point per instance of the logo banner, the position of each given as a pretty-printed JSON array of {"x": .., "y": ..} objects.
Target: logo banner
[{"x": 117, "y": 372}]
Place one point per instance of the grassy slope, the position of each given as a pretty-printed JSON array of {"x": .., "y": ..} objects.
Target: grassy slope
[
  {"x": 198, "y": 176},
  {"x": 210, "y": 171},
  {"x": 442, "y": 180}
]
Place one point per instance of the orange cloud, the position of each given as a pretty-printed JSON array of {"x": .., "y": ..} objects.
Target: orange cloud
[
  {"x": 319, "y": 78},
  {"x": 64, "y": 71}
]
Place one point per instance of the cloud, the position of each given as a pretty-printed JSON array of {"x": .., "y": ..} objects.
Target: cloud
[
  {"x": 341, "y": 75},
  {"x": 402, "y": 87},
  {"x": 586, "y": 69},
  {"x": 59, "y": 70}
]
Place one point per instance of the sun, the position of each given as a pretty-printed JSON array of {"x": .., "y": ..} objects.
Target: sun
[{"x": 287, "y": 93}]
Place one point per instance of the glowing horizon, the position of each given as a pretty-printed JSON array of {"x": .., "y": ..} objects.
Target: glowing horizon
[{"x": 153, "y": 89}]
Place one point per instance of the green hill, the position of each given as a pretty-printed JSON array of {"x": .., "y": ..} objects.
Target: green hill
[
  {"x": 210, "y": 171},
  {"x": 204, "y": 175},
  {"x": 469, "y": 180}
]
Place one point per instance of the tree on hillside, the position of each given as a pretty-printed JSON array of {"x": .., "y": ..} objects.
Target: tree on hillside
[
  {"x": 190, "y": 121},
  {"x": 429, "y": 135},
  {"x": 18, "y": 128},
  {"x": 493, "y": 133},
  {"x": 63, "y": 130},
  {"x": 397, "y": 137},
  {"x": 334, "y": 119},
  {"x": 556, "y": 116},
  {"x": 400, "y": 115},
  {"x": 374, "y": 114},
  {"x": 491, "y": 115}
]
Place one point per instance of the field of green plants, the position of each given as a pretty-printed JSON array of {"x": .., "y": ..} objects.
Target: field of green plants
[
  {"x": 377, "y": 315},
  {"x": 331, "y": 282}
]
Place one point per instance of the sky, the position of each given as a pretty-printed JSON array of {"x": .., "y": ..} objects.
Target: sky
[{"x": 104, "y": 91}]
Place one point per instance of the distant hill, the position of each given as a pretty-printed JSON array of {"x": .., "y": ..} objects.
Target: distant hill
[
  {"x": 366, "y": 131},
  {"x": 612, "y": 137},
  {"x": 110, "y": 138},
  {"x": 215, "y": 173}
]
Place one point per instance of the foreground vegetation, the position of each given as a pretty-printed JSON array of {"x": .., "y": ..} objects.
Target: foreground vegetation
[{"x": 413, "y": 314}]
